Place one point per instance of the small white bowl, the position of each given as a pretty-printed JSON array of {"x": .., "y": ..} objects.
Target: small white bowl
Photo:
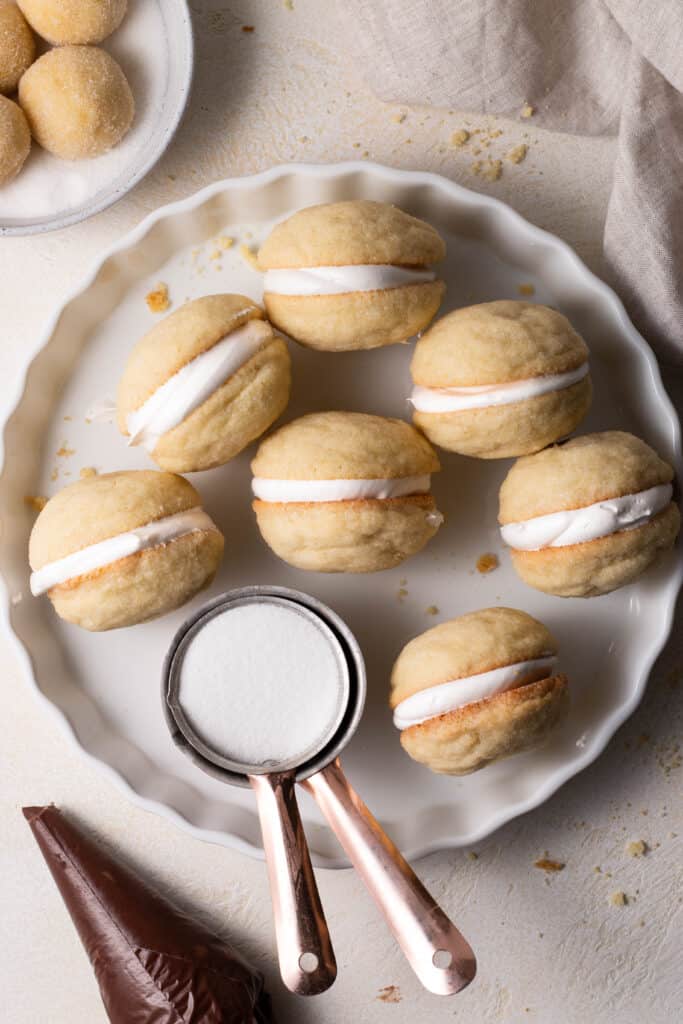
[{"x": 154, "y": 46}]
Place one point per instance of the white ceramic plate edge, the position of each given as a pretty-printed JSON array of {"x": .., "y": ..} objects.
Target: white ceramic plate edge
[{"x": 500, "y": 210}]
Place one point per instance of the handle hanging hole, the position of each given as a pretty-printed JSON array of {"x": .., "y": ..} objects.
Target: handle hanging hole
[
  {"x": 308, "y": 962},
  {"x": 442, "y": 959}
]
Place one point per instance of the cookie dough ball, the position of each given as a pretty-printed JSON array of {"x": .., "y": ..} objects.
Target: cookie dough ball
[
  {"x": 118, "y": 549},
  {"x": 17, "y": 46},
  {"x": 351, "y": 275},
  {"x": 586, "y": 517},
  {"x": 15, "y": 139},
  {"x": 74, "y": 21},
  {"x": 77, "y": 101},
  {"x": 476, "y": 689},
  {"x": 500, "y": 379},
  {"x": 204, "y": 383},
  {"x": 345, "y": 492}
]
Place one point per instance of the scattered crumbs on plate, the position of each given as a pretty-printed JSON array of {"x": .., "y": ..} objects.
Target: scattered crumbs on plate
[
  {"x": 215, "y": 254},
  {"x": 249, "y": 256},
  {"x": 35, "y": 501},
  {"x": 365, "y": 153},
  {"x": 399, "y": 118},
  {"x": 432, "y": 610},
  {"x": 526, "y": 289},
  {"x": 637, "y": 848},
  {"x": 54, "y": 474},
  {"x": 527, "y": 110},
  {"x": 471, "y": 855},
  {"x": 389, "y": 994},
  {"x": 356, "y": 145},
  {"x": 247, "y": 28},
  {"x": 16, "y": 599},
  {"x": 597, "y": 869},
  {"x": 495, "y": 133},
  {"x": 68, "y": 419},
  {"x": 224, "y": 242},
  {"x": 402, "y": 593},
  {"x": 487, "y": 563},
  {"x": 65, "y": 452},
  {"x": 460, "y": 137},
  {"x": 618, "y": 899},
  {"x": 288, "y": 5},
  {"x": 303, "y": 139},
  {"x": 546, "y": 864},
  {"x": 517, "y": 154},
  {"x": 157, "y": 300},
  {"x": 87, "y": 471}
]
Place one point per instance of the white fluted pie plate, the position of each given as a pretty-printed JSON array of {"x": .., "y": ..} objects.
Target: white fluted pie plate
[{"x": 104, "y": 689}]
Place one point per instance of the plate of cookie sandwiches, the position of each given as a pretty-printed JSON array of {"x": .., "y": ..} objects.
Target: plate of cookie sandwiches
[{"x": 387, "y": 391}]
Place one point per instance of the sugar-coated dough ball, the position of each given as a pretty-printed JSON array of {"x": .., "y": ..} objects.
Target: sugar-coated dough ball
[
  {"x": 15, "y": 139},
  {"x": 74, "y": 21},
  {"x": 17, "y": 46},
  {"x": 77, "y": 101}
]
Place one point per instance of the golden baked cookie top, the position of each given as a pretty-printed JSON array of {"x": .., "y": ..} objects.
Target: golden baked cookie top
[
  {"x": 473, "y": 643},
  {"x": 358, "y": 231},
  {"x": 175, "y": 341},
  {"x": 99, "y": 507},
  {"x": 579, "y": 473},
  {"x": 494, "y": 343},
  {"x": 344, "y": 446}
]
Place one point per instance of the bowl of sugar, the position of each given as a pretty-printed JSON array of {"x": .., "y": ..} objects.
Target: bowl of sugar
[{"x": 153, "y": 47}]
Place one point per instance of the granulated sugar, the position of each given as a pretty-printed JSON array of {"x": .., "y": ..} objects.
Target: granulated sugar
[{"x": 262, "y": 684}]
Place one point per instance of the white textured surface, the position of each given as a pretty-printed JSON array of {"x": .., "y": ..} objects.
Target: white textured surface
[{"x": 551, "y": 948}]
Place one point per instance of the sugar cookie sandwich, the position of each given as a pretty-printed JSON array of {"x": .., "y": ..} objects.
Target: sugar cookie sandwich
[
  {"x": 203, "y": 383},
  {"x": 588, "y": 516},
  {"x": 351, "y": 275},
  {"x": 345, "y": 492},
  {"x": 121, "y": 548},
  {"x": 476, "y": 689},
  {"x": 500, "y": 379}
]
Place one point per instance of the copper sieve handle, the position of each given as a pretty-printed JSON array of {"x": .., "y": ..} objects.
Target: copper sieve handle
[
  {"x": 440, "y": 956},
  {"x": 307, "y": 962}
]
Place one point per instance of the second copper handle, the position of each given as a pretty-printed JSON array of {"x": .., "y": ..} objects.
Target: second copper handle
[
  {"x": 307, "y": 962},
  {"x": 441, "y": 958}
]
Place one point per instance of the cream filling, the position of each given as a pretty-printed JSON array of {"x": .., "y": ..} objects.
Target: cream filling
[
  {"x": 459, "y": 399},
  {"x": 185, "y": 391},
  {"x": 337, "y": 490},
  {"x": 97, "y": 556},
  {"x": 439, "y": 700},
  {"x": 339, "y": 280},
  {"x": 578, "y": 525}
]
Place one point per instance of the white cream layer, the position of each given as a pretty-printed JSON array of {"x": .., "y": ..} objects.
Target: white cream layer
[
  {"x": 337, "y": 490},
  {"x": 182, "y": 393},
  {"x": 96, "y": 556},
  {"x": 459, "y": 399},
  {"x": 439, "y": 700},
  {"x": 578, "y": 525},
  {"x": 339, "y": 280}
]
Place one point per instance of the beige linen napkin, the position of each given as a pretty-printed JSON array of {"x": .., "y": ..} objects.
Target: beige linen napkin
[{"x": 588, "y": 67}]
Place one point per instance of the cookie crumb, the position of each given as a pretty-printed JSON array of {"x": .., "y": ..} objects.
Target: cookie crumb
[
  {"x": 288, "y": 5},
  {"x": 68, "y": 419},
  {"x": 545, "y": 864},
  {"x": 460, "y": 137},
  {"x": 65, "y": 452},
  {"x": 389, "y": 994},
  {"x": 249, "y": 256},
  {"x": 491, "y": 170},
  {"x": 402, "y": 593},
  {"x": 225, "y": 242},
  {"x": 637, "y": 848},
  {"x": 517, "y": 154},
  {"x": 487, "y": 562},
  {"x": 54, "y": 474},
  {"x": 157, "y": 300},
  {"x": 35, "y": 501},
  {"x": 527, "y": 110},
  {"x": 87, "y": 471},
  {"x": 618, "y": 899},
  {"x": 399, "y": 118},
  {"x": 247, "y": 28},
  {"x": 432, "y": 610},
  {"x": 471, "y": 855},
  {"x": 526, "y": 289}
]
